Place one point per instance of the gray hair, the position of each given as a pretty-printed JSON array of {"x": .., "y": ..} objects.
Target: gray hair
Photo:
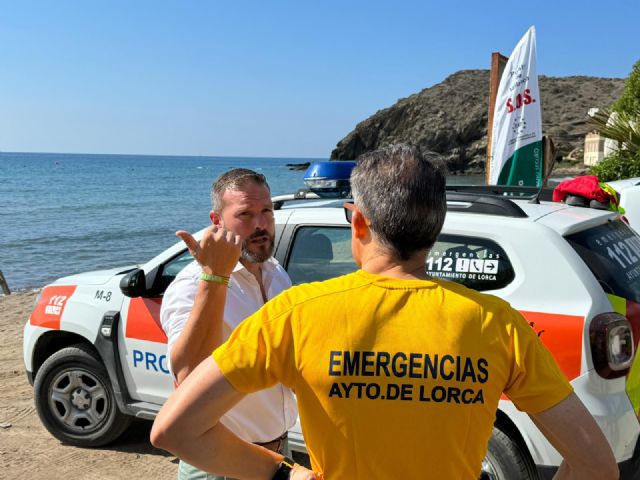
[
  {"x": 403, "y": 195},
  {"x": 234, "y": 179}
]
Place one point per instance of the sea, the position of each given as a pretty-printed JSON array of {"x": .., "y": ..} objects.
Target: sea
[{"x": 62, "y": 214}]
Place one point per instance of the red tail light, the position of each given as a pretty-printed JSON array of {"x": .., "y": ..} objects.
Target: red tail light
[{"x": 611, "y": 340}]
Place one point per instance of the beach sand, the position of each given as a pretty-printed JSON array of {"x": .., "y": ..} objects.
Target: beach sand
[{"x": 27, "y": 449}]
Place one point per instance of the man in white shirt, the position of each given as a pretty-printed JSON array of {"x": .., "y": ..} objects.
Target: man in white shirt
[{"x": 244, "y": 281}]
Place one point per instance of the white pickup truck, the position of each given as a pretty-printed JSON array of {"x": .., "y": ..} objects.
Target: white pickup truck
[{"x": 95, "y": 352}]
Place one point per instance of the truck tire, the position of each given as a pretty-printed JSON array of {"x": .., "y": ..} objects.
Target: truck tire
[
  {"x": 75, "y": 400},
  {"x": 506, "y": 460}
]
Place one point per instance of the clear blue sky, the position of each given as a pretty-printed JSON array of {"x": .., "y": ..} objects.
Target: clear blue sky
[{"x": 264, "y": 78}]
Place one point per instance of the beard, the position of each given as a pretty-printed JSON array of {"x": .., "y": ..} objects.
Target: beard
[{"x": 258, "y": 253}]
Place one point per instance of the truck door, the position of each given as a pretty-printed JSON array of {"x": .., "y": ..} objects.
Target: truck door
[{"x": 143, "y": 343}]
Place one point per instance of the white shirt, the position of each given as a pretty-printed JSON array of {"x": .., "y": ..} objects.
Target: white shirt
[{"x": 262, "y": 416}]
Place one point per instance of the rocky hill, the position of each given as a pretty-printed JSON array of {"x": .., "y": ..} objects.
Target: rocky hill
[{"x": 450, "y": 118}]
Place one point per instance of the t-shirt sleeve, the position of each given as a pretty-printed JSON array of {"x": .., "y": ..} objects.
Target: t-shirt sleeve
[
  {"x": 536, "y": 383},
  {"x": 260, "y": 351}
]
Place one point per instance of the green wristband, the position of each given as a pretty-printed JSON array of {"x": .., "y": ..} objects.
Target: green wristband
[{"x": 215, "y": 279}]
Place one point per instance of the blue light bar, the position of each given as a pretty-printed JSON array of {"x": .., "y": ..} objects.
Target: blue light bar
[{"x": 330, "y": 179}]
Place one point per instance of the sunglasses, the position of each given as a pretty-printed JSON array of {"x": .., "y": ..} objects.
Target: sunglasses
[{"x": 348, "y": 210}]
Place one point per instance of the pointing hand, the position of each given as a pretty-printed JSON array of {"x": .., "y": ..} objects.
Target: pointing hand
[{"x": 217, "y": 252}]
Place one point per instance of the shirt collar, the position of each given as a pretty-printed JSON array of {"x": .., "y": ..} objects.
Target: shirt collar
[{"x": 269, "y": 265}]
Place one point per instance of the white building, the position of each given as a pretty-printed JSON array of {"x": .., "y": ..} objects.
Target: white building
[{"x": 593, "y": 148}]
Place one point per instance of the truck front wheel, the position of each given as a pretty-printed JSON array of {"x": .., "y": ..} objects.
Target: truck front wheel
[{"x": 75, "y": 400}]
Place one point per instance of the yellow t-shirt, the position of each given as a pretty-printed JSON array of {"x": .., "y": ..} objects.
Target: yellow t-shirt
[{"x": 394, "y": 378}]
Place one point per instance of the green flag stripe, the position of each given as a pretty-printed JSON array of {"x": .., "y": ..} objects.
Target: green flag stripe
[{"x": 524, "y": 167}]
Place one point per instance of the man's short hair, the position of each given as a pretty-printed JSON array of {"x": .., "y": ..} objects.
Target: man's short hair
[
  {"x": 403, "y": 195},
  {"x": 234, "y": 179}
]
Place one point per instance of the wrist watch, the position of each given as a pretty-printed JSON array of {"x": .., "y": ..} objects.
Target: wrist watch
[{"x": 284, "y": 469}]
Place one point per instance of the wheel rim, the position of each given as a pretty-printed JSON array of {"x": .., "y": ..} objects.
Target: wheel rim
[
  {"x": 488, "y": 471},
  {"x": 78, "y": 400}
]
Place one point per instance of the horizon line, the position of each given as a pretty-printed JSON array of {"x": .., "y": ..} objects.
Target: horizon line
[{"x": 163, "y": 155}]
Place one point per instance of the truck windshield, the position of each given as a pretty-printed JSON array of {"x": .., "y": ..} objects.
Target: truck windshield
[{"x": 612, "y": 252}]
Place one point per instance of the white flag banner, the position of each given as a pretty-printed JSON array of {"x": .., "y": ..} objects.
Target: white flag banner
[{"x": 516, "y": 142}]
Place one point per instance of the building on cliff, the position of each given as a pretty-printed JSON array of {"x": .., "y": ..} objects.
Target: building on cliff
[
  {"x": 593, "y": 148},
  {"x": 597, "y": 147}
]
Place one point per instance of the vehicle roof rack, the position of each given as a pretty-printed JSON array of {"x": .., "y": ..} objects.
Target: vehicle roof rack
[
  {"x": 487, "y": 204},
  {"x": 546, "y": 193},
  {"x": 466, "y": 202}
]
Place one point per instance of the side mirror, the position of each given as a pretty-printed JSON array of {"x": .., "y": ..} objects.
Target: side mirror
[{"x": 133, "y": 284}]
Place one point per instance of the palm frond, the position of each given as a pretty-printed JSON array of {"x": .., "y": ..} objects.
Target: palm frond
[{"x": 623, "y": 127}]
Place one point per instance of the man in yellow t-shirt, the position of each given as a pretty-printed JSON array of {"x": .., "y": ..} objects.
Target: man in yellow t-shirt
[{"x": 397, "y": 375}]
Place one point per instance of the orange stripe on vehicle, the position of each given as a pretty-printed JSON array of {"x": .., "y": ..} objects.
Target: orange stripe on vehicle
[
  {"x": 143, "y": 320},
  {"x": 50, "y": 307},
  {"x": 563, "y": 337}
]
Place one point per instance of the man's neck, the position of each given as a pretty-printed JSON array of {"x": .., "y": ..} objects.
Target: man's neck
[
  {"x": 254, "y": 268},
  {"x": 381, "y": 262}
]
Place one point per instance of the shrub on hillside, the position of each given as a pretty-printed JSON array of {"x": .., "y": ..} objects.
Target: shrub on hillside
[
  {"x": 622, "y": 124},
  {"x": 629, "y": 101},
  {"x": 618, "y": 165}
]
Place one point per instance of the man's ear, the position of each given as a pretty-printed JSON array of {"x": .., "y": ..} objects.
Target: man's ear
[
  {"x": 359, "y": 225},
  {"x": 215, "y": 217}
]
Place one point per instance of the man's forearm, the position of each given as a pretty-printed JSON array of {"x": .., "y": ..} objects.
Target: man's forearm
[
  {"x": 188, "y": 426},
  {"x": 571, "y": 429},
  {"x": 203, "y": 331},
  {"x": 231, "y": 457}
]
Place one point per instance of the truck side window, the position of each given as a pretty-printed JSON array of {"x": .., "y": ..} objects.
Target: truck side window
[
  {"x": 172, "y": 268},
  {"x": 474, "y": 262},
  {"x": 319, "y": 253},
  {"x": 612, "y": 253}
]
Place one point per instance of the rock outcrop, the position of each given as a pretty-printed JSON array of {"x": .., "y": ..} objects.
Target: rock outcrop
[{"x": 450, "y": 118}]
